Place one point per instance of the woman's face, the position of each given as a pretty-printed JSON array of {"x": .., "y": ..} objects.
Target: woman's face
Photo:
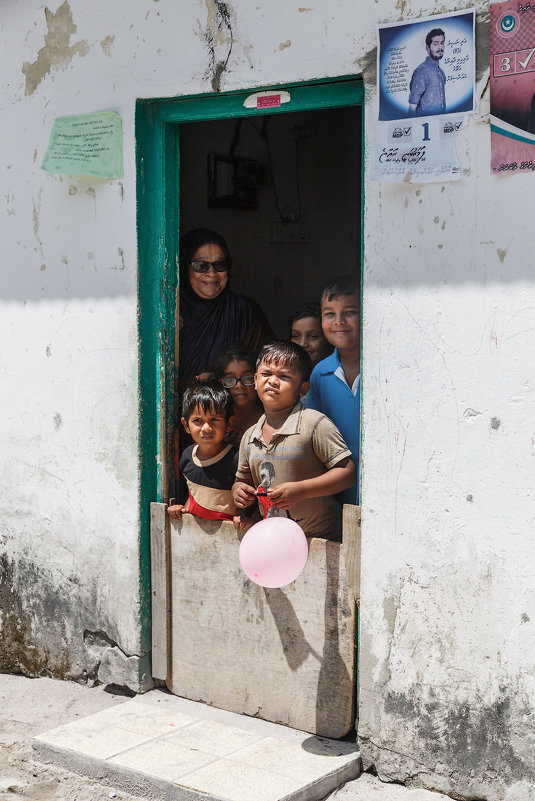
[
  {"x": 307, "y": 332},
  {"x": 208, "y": 285}
]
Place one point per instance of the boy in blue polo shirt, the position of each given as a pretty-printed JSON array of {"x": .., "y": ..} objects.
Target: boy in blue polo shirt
[{"x": 335, "y": 381}]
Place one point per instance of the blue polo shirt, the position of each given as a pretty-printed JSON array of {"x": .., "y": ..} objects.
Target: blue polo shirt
[{"x": 331, "y": 395}]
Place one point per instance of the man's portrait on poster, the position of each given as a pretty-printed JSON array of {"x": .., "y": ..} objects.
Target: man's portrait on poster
[
  {"x": 427, "y": 87},
  {"x": 426, "y": 67}
]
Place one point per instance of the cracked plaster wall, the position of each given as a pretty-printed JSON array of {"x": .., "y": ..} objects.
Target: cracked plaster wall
[{"x": 448, "y": 610}]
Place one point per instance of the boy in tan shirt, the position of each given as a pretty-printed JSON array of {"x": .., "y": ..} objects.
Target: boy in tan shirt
[{"x": 296, "y": 455}]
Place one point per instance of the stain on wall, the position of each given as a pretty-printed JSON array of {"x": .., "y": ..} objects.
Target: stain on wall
[
  {"x": 443, "y": 712},
  {"x": 47, "y": 629},
  {"x": 20, "y": 652},
  {"x": 468, "y": 751},
  {"x": 57, "y": 51}
]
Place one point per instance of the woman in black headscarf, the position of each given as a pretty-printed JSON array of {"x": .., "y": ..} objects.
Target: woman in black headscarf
[{"x": 212, "y": 315}]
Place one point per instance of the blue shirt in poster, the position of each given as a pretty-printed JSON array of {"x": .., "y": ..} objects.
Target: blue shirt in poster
[{"x": 427, "y": 89}]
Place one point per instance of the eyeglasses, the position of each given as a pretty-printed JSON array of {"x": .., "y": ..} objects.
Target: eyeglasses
[
  {"x": 204, "y": 266},
  {"x": 229, "y": 382}
]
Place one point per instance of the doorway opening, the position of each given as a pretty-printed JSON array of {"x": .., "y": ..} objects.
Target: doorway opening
[
  {"x": 284, "y": 192},
  {"x": 282, "y": 185}
]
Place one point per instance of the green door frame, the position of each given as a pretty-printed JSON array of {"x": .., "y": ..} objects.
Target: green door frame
[{"x": 157, "y": 161}]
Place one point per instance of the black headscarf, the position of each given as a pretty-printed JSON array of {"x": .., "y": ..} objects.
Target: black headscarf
[{"x": 208, "y": 325}]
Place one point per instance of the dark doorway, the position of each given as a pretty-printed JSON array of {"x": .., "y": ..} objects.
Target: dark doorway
[{"x": 285, "y": 192}]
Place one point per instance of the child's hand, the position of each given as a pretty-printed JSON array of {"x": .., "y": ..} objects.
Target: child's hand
[
  {"x": 286, "y": 494},
  {"x": 243, "y": 494},
  {"x": 176, "y": 511},
  {"x": 242, "y": 523}
]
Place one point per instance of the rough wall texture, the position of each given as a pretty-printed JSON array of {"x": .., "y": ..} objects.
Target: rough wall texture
[
  {"x": 448, "y": 609},
  {"x": 447, "y": 680}
]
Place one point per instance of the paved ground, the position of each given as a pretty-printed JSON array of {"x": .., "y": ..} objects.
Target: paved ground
[
  {"x": 29, "y": 707},
  {"x": 184, "y": 748}
]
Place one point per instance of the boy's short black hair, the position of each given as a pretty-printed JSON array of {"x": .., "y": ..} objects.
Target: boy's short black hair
[
  {"x": 286, "y": 353},
  {"x": 307, "y": 310},
  {"x": 341, "y": 285},
  {"x": 230, "y": 352},
  {"x": 207, "y": 395}
]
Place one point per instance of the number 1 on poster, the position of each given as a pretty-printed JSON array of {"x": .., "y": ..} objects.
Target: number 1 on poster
[{"x": 425, "y": 126}]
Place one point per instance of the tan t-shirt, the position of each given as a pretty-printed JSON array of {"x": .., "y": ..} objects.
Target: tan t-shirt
[{"x": 307, "y": 445}]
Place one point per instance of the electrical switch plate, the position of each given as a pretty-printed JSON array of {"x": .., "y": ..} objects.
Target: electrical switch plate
[{"x": 288, "y": 233}]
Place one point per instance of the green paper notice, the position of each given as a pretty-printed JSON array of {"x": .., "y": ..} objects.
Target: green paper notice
[{"x": 87, "y": 144}]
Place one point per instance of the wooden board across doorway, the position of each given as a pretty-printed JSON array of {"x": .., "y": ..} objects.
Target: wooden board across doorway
[{"x": 286, "y": 655}]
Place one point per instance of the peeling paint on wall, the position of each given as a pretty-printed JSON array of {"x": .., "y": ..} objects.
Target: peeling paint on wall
[
  {"x": 35, "y": 217},
  {"x": 367, "y": 66},
  {"x": 482, "y": 41},
  {"x": 218, "y": 38},
  {"x": 57, "y": 51},
  {"x": 106, "y": 45}
]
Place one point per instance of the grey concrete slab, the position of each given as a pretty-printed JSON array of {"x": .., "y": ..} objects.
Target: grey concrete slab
[{"x": 164, "y": 747}]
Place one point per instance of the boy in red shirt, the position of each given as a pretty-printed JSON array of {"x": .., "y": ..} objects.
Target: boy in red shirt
[{"x": 209, "y": 465}]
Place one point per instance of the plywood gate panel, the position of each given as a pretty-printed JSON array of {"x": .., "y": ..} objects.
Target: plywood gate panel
[{"x": 285, "y": 655}]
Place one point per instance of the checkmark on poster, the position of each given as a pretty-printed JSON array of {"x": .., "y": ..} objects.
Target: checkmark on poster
[{"x": 525, "y": 63}]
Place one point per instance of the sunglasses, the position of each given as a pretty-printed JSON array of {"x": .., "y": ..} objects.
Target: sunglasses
[
  {"x": 204, "y": 266},
  {"x": 230, "y": 382}
]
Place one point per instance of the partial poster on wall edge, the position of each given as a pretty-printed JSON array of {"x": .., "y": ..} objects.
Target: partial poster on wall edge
[{"x": 512, "y": 87}]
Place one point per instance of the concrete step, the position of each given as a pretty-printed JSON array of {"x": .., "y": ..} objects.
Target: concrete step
[{"x": 164, "y": 747}]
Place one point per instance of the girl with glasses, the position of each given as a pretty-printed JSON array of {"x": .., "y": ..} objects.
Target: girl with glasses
[{"x": 235, "y": 368}]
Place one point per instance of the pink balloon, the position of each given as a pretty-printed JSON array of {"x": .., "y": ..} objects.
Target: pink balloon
[{"x": 274, "y": 552}]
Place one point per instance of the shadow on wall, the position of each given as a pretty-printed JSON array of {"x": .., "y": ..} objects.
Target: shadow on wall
[
  {"x": 334, "y": 680},
  {"x": 295, "y": 647}
]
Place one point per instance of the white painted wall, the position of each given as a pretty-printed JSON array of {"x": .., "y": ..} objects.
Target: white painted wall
[
  {"x": 448, "y": 606},
  {"x": 447, "y": 678}
]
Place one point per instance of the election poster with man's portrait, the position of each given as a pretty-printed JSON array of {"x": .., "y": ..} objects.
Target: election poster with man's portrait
[
  {"x": 425, "y": 79},
  {"x": 512, "y": 87}
]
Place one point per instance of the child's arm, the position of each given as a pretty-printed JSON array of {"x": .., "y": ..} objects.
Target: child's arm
[
  {"x": 243, "y": 493},
  {"x": 177, "y": 510},
  {"x": 246, "y": 519},
  {"x": 338, "y": 478}
]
